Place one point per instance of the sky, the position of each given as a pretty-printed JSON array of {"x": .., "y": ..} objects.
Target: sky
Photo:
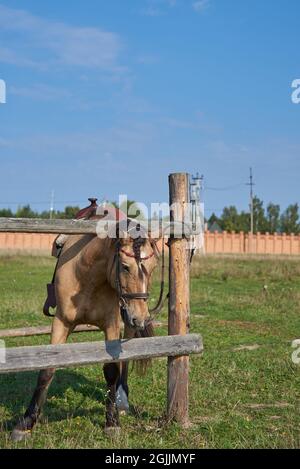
[{"x": 109, "y": 97}]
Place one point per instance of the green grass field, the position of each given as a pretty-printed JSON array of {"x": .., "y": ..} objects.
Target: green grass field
[{"x": 244, "y": 389}]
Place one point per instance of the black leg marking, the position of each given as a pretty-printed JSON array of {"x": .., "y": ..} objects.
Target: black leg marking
[
  {"x": 111, "y": 373},
  {"x": 33, "y": 412}
]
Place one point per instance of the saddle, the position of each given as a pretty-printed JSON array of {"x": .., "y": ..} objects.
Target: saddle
[{"x": 84, "y": 214}]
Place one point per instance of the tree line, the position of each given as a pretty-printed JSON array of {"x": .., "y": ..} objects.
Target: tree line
[
  {"x": 266, "y": 220},
  {"x": 69, "y": 212},
  {"x": 27, "y": 212}
]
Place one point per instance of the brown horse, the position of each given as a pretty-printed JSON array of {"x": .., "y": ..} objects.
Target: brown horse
[{"x": 98, "y": 282}]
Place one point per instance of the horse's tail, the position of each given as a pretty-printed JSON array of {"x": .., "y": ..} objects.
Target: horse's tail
[{"x": 141, "y": 366}]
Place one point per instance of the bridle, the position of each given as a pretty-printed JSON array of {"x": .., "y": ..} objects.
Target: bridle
[{"x": 124, "y": 297}]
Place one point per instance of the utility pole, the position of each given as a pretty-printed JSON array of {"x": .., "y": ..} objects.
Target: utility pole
[
  {"x": 197, "y": 212},
  {"x": 52, "y": 205},
  {"x": 251, "y": 184}
]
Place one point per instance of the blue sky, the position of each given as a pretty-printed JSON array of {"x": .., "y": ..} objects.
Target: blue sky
[{"x": 108, "y": 97}]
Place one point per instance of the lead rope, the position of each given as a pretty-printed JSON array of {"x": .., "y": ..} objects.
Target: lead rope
[{"x": 161, "y": 300}]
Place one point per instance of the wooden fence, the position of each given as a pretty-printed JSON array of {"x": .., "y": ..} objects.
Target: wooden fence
[{"x": 177, "y": 346}]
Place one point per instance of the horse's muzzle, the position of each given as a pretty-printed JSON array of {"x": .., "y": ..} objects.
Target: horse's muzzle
[{"x": 131, "y": 321}]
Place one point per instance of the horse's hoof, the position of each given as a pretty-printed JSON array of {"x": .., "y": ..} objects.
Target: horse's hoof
[
  {"x": 20, "y": 435},
  {"x": 112, "y": 432}
]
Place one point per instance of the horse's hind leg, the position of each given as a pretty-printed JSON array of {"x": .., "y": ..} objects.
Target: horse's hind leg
[{"x": 23, "y": 429}]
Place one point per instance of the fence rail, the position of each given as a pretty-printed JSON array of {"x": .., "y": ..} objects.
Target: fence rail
[
  {"x": 46, "y": 330},
  {"x": 86, "y": 353}
]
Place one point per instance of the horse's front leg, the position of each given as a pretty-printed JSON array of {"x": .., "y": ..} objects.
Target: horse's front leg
[
  {"x": 25, "y": 426},
  {"x": 112, "y": 375},
  {"x": 122, "y": 384}
]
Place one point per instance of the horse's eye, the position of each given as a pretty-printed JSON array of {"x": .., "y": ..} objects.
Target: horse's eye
[{"x": 125, "y": 267}]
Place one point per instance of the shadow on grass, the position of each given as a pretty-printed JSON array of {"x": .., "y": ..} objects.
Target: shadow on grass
[{"x": 17, "y": 389}]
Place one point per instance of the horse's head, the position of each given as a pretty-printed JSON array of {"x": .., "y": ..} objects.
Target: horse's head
[{"x": 130, "y": 275}]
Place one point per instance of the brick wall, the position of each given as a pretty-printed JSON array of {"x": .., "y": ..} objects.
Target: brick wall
[
  {"x": 243, "y": 243},
  {"x": 26, "y": 241},
  {"x": 215, "y": 243}
]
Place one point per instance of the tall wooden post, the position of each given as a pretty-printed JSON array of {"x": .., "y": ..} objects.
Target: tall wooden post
[{"x": 179, "y": 301}]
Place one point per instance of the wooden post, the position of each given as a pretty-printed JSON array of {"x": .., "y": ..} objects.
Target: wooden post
[{"x": 179, "y": 302}]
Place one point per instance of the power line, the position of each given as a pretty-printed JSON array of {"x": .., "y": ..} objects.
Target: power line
[{"x": 228, "y": 188}]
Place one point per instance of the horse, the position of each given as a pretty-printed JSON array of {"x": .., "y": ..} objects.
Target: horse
[{"x": 100, "y": 282}]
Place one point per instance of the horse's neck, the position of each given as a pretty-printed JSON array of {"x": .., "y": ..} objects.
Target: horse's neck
[{"x": 100, "y": 253}]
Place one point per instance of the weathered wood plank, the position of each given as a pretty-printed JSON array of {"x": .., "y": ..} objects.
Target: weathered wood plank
[
  {"x": 100, "y": 227},
  {"x": 36, "y": 225},
  {"x": 39, "y": 330},
  {"x": 80, "y": 354},
  {"x": 45, "y": 330}
]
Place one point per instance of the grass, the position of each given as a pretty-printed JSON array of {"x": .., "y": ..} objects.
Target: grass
[{"x": 244, "y": 390}]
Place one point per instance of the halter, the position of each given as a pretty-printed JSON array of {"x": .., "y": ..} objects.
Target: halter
[
  {"x": 122, "y": 295},
  {"x": 125, "y": 297}
]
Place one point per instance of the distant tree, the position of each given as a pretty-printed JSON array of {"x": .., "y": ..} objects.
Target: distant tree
[
  {"x": 214, "y": 219},
  {"x": 26, "y": 212},
  {"x": 243, "y": 222},
  {"x": 260, "y": 221},
  {"x": 70, "y": 212},
  {"x": 273, "y": 218},
  {"x": 45, "y": 214},
  {"x": 289, "y": 221},
  {"x": 6, "y": 213},
  {"x": 229, "y": 219}
]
